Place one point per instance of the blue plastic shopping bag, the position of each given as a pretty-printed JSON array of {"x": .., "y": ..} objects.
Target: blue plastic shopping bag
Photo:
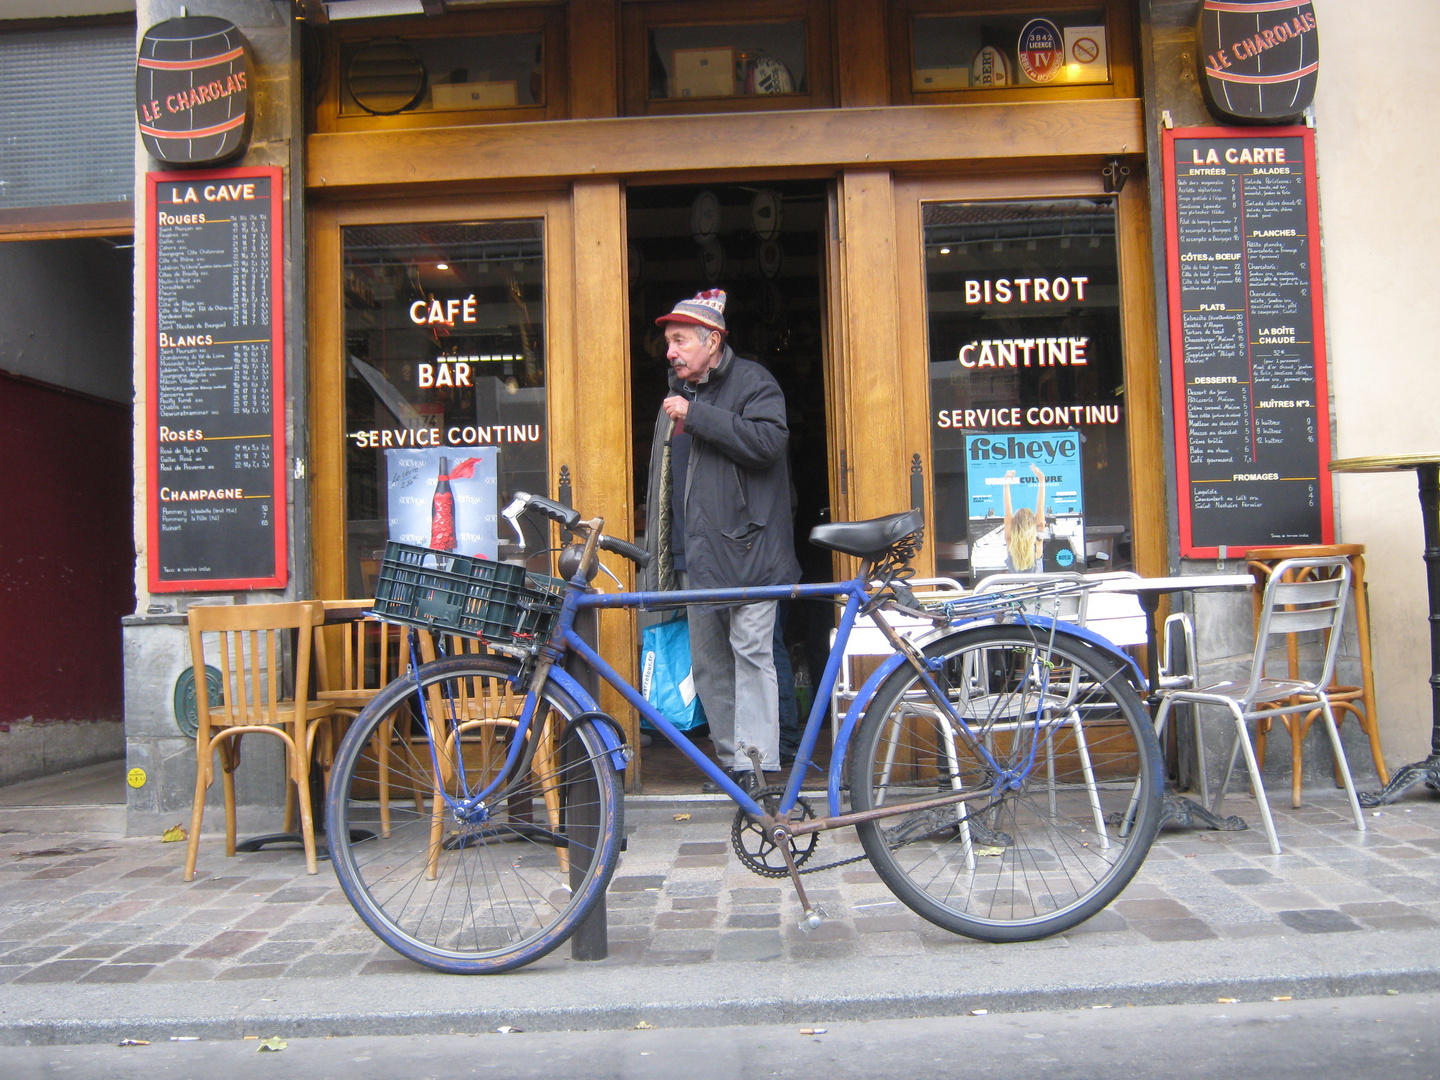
[{"x": 665, "y": 677}]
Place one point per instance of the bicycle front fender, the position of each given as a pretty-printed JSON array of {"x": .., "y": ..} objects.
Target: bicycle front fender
[{"x": 608, "y": 735}]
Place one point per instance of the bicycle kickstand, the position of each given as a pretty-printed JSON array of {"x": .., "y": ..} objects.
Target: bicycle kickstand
[{"x": 811, "y": 916}]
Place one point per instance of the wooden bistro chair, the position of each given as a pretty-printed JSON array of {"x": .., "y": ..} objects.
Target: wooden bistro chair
[
  {"x": 354, "y": 660},
  {"x": 249, "y": 651},
  {"x": 1345, "y": 700},
  {"x": 1302, "y": 595}
]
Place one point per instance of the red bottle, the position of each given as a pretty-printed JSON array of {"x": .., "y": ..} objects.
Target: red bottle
[{"x": 442, "y": 511}]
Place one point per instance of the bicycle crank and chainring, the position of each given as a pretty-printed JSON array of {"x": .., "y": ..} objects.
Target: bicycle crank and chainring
[{"x": 757, "y": 851}]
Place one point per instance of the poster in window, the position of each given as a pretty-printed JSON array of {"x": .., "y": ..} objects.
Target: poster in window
[
  {"x": 994, "y": 462},
  {"x": 444, "y": 499}
]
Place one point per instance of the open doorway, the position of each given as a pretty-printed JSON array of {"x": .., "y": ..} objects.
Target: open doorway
[
  {"x": 764, "y": 244},
  {"x": 67, "y": 542}
]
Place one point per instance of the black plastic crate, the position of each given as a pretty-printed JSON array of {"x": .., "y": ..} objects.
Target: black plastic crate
[{"x": 462, "y": 594}]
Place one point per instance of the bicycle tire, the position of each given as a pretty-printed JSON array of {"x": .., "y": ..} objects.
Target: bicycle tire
[
  {"x": 472, "y": 897},
  {"x": 1022, "y": 864}
]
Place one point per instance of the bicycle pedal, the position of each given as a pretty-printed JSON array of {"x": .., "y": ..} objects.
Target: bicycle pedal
[{"x": 812, "y": 919}]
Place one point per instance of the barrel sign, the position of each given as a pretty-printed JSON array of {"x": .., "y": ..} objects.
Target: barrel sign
[
  {"x": 1260, "y": 59},
  {"x": 192, "y": 90}
]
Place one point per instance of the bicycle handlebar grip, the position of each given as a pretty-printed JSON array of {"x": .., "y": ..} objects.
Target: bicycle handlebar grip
[
  {"x": 565, "y": 515},
  {"x": 639, "y": 556}
]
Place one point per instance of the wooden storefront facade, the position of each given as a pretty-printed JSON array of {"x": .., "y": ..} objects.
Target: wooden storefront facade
[{"x": 589, "y": 144}]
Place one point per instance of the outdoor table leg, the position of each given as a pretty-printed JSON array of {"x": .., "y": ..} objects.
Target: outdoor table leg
[
  {"x": 1178, "y": 810},
  {"x": 1428, "y": 770}
]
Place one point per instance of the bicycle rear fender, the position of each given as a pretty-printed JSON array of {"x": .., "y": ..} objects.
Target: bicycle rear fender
[
  {"x": 619, "y": 753},
  {"x": 1100, "y": 641},
  {"x": 894, "y": 661}
]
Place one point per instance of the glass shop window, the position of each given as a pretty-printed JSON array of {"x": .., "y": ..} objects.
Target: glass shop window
[
  {"x": 389, "y": 76},
  {"x": 1027, "y": 391},
  {"x": 1001, "y": 50},
  {"x": 444, "y": 337},
  {"x": 727, "y": 61}
]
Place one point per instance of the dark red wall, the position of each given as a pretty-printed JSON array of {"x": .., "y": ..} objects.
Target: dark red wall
[{"x": 67, "y": 553}]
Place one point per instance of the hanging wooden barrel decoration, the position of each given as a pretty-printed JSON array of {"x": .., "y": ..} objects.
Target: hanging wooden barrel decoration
[
  {"x": 1259, "y": 59},
  {"x": 192, "y": 90}
]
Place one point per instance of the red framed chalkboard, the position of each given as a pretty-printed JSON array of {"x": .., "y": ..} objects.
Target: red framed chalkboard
[
  {"x": 215, "y": 378},
  {"x": 1247, "y": 337}
]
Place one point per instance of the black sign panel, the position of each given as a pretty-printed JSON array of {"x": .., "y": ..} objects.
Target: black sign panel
[
  {"x": 192, "y": 90},
  {"x": 216, "y": 431},
  {"x": 1259, "y": 59},
  {"x": 1252, "y": 423}
]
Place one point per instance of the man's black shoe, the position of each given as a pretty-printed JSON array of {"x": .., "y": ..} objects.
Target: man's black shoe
[{"x": 743, "y": 780}]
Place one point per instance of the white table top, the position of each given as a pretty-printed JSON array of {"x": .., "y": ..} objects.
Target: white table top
[{"x": 1183, "y": 583}]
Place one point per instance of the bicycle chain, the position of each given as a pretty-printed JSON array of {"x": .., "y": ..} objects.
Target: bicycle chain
[{"x": 754, "y": 861}]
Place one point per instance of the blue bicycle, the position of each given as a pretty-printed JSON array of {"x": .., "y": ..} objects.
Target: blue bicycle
[{"x": 999, "y": 766}]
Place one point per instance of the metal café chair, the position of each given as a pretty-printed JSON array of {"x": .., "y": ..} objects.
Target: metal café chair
[{"x": 1288, "y": 607}]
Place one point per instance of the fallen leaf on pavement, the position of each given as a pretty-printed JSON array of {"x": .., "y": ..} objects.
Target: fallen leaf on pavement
[
  {"x": 273, "y": 1043},
  {"x": 174, "y": 834},
  {"x": 682, "y": 817}
]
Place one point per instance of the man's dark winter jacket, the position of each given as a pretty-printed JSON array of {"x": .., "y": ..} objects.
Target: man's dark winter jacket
[{"x": 737, "y": 525}]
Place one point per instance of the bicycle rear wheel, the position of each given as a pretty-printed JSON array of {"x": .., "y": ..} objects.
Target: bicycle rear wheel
[
  {"x": 472, "y": 890},
  {"x": 1014, "y": 865}
]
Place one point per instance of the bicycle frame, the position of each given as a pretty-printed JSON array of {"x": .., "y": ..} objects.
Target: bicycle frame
[{"x": 856, "y": 594}]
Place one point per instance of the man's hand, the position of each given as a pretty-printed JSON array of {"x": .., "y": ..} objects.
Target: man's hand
[{"x": 676, "y": 407}]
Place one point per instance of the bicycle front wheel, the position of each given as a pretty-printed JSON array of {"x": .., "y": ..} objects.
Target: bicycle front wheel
[
  {"x": 1062, "y": 754},
  {"x": 472, "y": 888}
]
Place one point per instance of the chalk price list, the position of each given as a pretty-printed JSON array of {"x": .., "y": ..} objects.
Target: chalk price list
[
  {"x": 215, "y": 375},
  {"x": 1246, "y": 323}
]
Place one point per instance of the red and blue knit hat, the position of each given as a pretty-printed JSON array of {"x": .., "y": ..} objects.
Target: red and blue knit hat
[{"x": 705, "y": 309}]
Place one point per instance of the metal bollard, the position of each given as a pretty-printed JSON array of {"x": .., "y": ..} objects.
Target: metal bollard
[{"x": 591, "y": 940}]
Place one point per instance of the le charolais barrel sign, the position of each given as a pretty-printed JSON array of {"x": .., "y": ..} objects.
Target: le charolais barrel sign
[
  {"x": 192, "y": 91},
  {"x": 1259, "y": 59}
]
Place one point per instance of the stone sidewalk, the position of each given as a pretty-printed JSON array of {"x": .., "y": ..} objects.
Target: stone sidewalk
[{"x": 87, "y": 909}]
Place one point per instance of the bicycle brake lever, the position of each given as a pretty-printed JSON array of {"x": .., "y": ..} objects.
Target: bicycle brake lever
[
  {"x": 610, "y": 574},
  {"x": 512, "y": 514}
]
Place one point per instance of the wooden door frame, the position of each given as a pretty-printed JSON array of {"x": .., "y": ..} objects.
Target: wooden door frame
[
  {"x": 326, "y": 316},
  {"x": 1144, "y": 432}
]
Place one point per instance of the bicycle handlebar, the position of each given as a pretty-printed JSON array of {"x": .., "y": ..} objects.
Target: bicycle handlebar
[
  {"x": 639, "y": 556},
  {"x": 570, "y": 519}
]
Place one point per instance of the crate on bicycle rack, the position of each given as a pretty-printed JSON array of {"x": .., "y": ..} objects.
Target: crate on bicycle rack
[{"x": 462, "y": 594}]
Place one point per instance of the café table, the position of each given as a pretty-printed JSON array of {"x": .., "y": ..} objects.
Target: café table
[
  {"x": 1427, "y": 470},
  {"x": 1178, "y": 809}
]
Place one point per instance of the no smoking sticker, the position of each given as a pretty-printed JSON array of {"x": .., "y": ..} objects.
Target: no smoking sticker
[{"x": 1086, "y": 58}]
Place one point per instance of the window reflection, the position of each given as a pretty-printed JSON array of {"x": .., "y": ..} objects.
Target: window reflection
[
  {"x": 445, "y": 382},
  {"x": 1026, "y": 385}
]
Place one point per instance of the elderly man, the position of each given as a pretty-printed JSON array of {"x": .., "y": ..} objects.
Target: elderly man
[{"x": 719, "y": 517}]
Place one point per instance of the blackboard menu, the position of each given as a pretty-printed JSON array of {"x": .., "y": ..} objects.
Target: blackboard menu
[
  {"x": 216, "y": 431},
  {"x": 1252, "y": 423}
]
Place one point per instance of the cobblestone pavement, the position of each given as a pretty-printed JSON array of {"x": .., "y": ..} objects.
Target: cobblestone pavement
[{"x": 89, "y": 908}]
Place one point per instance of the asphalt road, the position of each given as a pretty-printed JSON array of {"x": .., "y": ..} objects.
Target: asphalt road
[{"x": 1391, "y": 1037}]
